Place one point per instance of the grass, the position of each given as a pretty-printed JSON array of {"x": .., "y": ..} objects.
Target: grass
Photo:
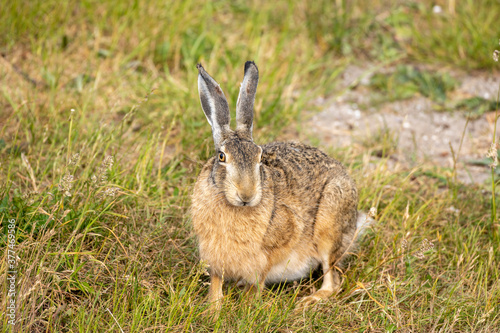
[
  {"x": 408, "y": 81},
  {"x": 102, "y": 136}
]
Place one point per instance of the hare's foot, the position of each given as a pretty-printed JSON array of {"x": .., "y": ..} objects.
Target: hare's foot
[
  {"x": 330, "y": 286},
  {"x": 317, "y": 296}
]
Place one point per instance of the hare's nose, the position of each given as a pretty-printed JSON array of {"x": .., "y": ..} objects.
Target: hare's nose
[{"x": 245, "y": 198}]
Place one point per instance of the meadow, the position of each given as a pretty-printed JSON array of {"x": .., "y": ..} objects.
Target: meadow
[{"x": 102, "y": 137}]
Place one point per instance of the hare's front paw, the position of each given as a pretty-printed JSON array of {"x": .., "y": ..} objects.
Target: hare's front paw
[{"x": 214, "y": 310}]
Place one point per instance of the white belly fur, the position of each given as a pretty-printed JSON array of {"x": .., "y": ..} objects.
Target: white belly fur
[{"x": 293, "y": 268}]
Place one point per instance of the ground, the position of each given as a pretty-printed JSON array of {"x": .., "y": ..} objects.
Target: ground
[{"x": 418, "y": 133}]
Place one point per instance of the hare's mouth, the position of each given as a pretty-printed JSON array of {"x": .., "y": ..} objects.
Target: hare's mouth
[
  {"x": 242, "y": 196},
  {"x": 248, "y": 202},
  {"x": 243, "y": 201}
]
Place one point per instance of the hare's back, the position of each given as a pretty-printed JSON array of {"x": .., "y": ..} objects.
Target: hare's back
[{"x": 297, "y": 161}]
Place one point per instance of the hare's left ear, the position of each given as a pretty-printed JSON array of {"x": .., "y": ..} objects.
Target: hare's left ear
[{"x": 246, "y": 98}]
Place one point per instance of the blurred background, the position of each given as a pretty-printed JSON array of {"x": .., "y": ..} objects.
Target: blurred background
[
  {"x": 102, "y": 136},
  {"x": 359, "y": 58}
]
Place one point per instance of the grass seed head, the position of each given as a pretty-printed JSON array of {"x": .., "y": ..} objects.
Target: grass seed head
[
  {"x": 493, "y": 154},
  {"x": 74, "y": 159},
  {"x": 30, "y": 197},
  {"x": 66, "y": 184},
  {"x": 110, "y": 192},
  {"x": 108, "y": 162},
  {"x": 425, "y": 246},
  {"x": 404, "y": 244},
  {"x": 203, "y": 266},
  {"x": 101, "y": 177}
]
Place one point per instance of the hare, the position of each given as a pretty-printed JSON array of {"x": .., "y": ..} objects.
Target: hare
[{"x": 267, "y": 213}]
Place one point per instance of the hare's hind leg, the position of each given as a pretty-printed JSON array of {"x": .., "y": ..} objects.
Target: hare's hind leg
[
  {"x": 333, "y": 228},
  {"x": 331, "y": 283}
]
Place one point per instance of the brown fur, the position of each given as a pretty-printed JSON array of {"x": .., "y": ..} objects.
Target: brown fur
[
  {"x": 308, "y": 206},
  {"x": 268, "y": 213}
]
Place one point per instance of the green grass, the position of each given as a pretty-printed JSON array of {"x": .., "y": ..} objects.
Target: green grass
[
  {"x": 407, "y": 81},
  {"x": 115, "y": 240}
]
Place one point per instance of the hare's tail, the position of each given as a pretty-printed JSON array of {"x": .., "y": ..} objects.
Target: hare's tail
[
  {"x": 364, "y": 222},
  {"x": 350, "y": 242}
]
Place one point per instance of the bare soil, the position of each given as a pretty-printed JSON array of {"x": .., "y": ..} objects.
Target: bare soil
[{"x": 414, "y": 130}]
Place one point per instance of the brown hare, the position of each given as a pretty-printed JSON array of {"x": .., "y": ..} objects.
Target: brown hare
[{"x": 268, "y": 213}]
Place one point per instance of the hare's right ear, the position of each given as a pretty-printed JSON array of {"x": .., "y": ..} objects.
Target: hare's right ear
[{"x": 214, "y": 105}]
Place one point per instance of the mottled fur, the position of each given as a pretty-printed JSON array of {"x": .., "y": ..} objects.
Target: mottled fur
[{"x": 271, "y": 213}]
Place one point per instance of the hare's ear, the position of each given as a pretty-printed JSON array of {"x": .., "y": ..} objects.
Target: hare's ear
[
  {"x": 246, "y": 98},
  {"x": 214, "y": 105}
]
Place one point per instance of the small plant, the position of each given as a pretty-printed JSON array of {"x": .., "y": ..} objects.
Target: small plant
[
  {"x": 407, "y": 81},
  {"x": 475, "y": 106},
  {"x": 383, "y": 143}
]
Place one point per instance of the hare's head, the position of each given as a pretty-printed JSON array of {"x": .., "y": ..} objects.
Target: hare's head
[{"x": 237, "y": 166}]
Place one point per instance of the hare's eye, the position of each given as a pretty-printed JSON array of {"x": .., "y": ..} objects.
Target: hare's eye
[{"x": 222, "y": 157}]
